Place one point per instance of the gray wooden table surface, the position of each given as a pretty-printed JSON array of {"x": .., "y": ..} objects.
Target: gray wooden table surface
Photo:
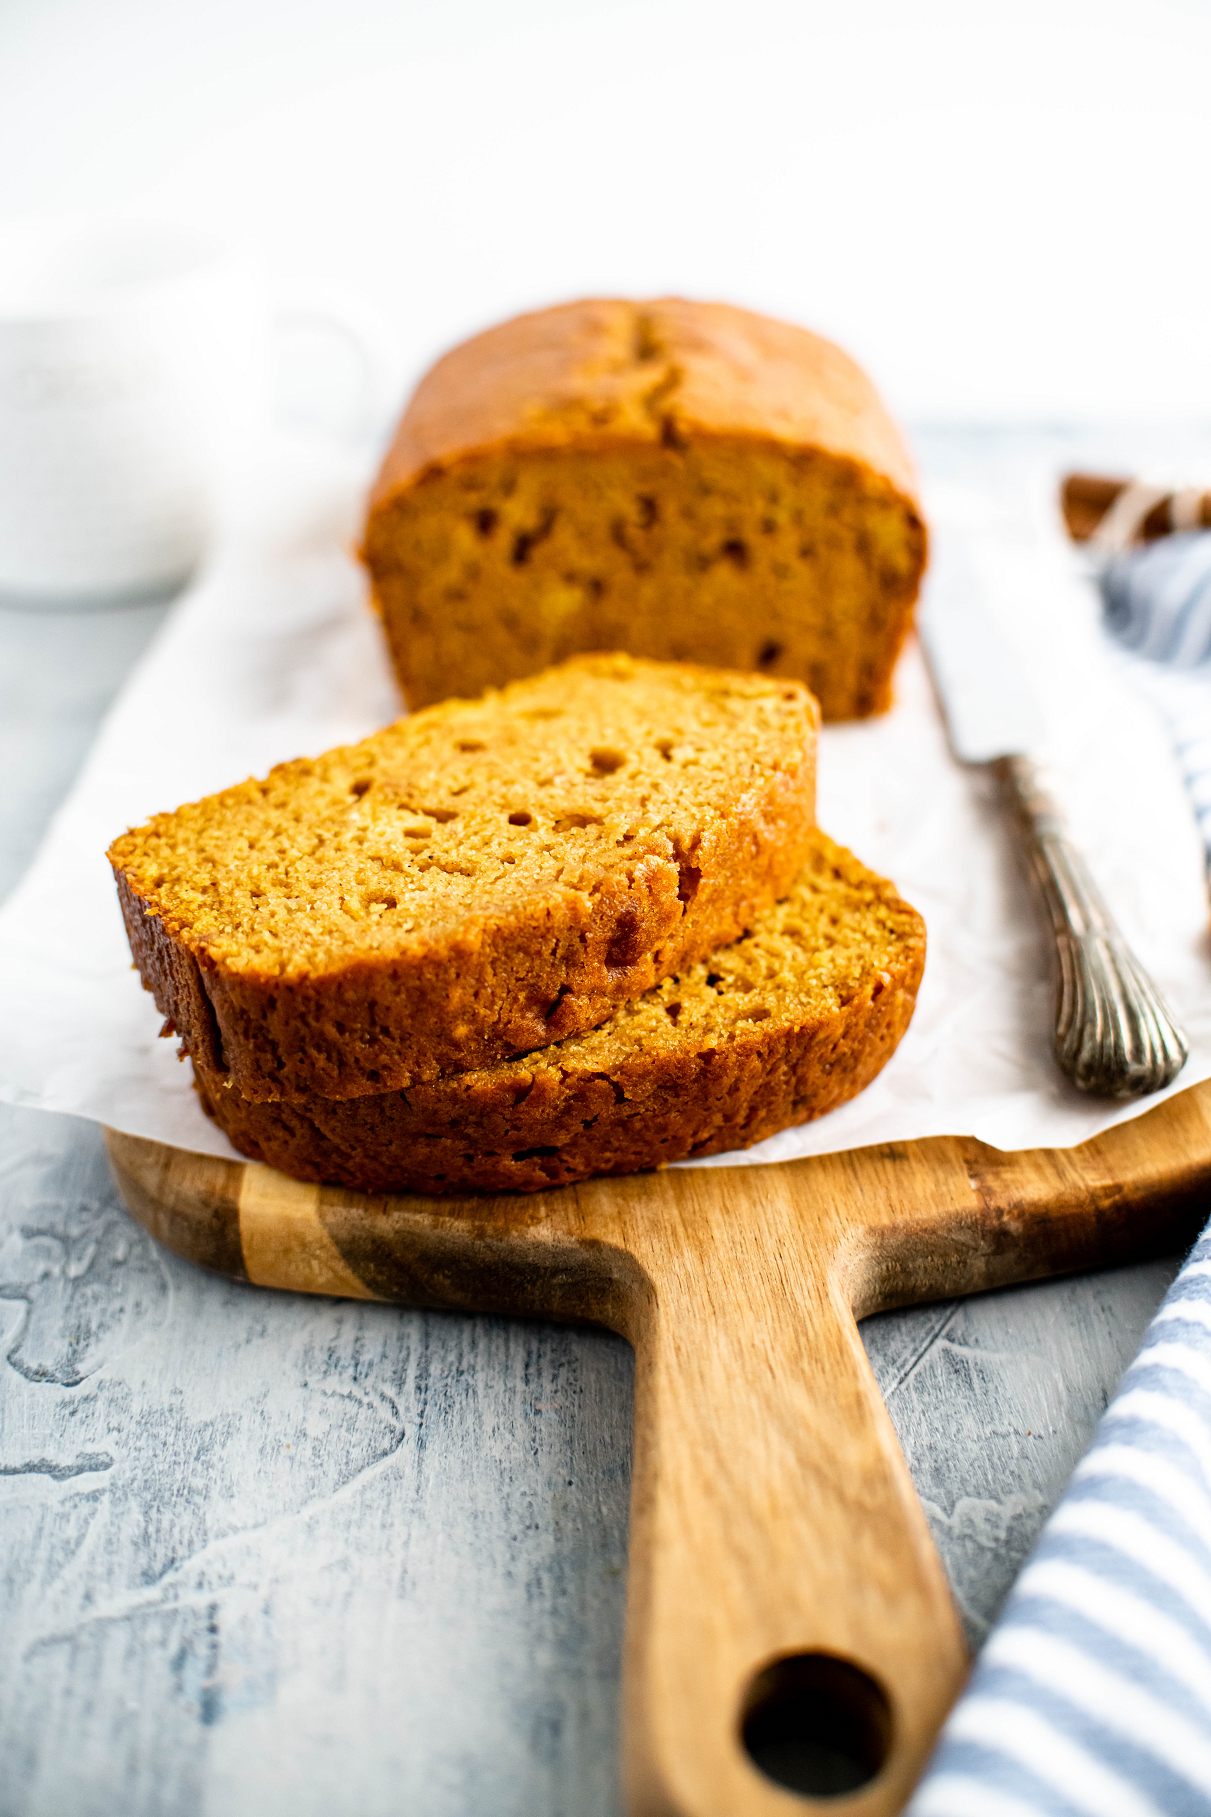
[{"x": 263, "y": 1554}]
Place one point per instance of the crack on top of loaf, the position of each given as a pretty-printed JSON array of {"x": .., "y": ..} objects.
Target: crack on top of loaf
[
  {"x": 648, "y": 348},
  {"x": 656, "y": 398},
  {"x": 646, "y": 343}
]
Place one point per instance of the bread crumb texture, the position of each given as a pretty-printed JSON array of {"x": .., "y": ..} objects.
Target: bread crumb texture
[
  {"x": 685, "y": 481},
  {"x": 472, "y": 882},
  {"x": 789, "y": 1021}
]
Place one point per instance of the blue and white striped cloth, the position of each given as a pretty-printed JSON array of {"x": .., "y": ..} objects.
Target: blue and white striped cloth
[
  {"x": 1158, "y": 599},
  {"x": 1158, "y": 605},
  {"x": 1092, "y": 1698}
]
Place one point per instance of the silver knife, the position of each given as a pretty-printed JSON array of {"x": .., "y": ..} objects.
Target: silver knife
[{"x": 1114, "y": 1033}]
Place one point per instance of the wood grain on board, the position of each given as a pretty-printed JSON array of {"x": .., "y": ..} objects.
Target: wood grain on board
[{"x": 772, "y": 1513}]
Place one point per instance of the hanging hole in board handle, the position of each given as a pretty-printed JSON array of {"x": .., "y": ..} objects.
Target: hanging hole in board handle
[
  {"x": 816, "y": 1724},
  {"x": 337, "y": 367}
]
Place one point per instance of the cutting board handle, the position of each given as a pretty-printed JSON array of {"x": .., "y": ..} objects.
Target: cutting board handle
[{"x": 790, "y": 1629}]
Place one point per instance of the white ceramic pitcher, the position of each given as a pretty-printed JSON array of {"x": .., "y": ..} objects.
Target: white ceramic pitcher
[{"x": 134, "y": 377}]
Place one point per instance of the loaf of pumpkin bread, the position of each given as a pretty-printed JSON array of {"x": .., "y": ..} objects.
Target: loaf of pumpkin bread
[
  {"x": 685, "y": 481},
  {"x": 476, "y": 881},
  {"x": 795, "y": 1017}
]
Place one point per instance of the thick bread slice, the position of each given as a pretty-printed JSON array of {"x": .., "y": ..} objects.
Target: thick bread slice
[
  {"x": 790, "y": 1021},
  {"x": 686, "y": 481},
  {"x": 473, "y": 882}
]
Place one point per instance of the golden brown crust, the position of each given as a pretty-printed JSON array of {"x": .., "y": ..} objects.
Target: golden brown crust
[
  {"x": 686, "y": 481},
  {"x": 497, "y": 938},
  {"x": 678, "y": 1074},
  {"x": 603, "y": 371},
  {"x": 171, "y": 973}
]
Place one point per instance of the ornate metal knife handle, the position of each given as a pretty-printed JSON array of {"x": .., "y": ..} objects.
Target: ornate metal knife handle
[{"x": 1114, "y": 1033}]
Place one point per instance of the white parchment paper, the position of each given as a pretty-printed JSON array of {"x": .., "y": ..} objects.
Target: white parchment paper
[{"x": 273, "y": 653}]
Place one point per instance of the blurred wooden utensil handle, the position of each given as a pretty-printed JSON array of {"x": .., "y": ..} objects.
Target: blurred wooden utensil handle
[{"x": 1087, "y": 498}]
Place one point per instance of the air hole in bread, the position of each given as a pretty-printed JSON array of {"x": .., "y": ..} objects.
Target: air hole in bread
[
  {"x": 769, "y": 653},
  {"x": 735, "y": 551},
  {"x": 626, "y": 946},
  {"x": 605, "y": 761},
  {"x": 525, "y": 540},
  {"x": 362, "y": 786},
  {"x": 470, "y": 744},
  {"x": 688, "y": 878},
  {"x": 520, "y": 819}
]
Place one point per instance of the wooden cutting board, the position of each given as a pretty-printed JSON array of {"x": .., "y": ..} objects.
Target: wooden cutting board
[{"x": 785, "y": 1602}]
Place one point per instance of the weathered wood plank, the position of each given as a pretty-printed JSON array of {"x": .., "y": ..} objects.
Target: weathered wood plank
[{"x": 269, "y": 1554}]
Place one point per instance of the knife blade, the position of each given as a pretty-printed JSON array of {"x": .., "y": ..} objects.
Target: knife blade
[
  {"x": 987, "y": 705},
  {"x": 1115, "y": 1036}
]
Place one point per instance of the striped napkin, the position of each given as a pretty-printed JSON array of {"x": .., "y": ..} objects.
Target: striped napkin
[
  {"x": 1092, "y": 1697},
  {"x": 1158, "y": 605}
]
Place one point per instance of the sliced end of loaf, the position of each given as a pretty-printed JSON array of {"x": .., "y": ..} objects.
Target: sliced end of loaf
[
  {"x": 474, "y": 881},
  {"x": 736, "y": 551}
]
